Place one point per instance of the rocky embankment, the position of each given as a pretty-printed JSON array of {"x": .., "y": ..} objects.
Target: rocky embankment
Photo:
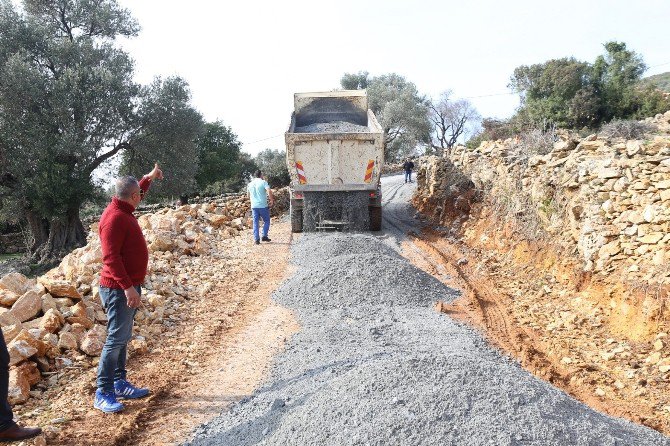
[
  {"x": 55, "y": 325},
  {"x": 583, "y": 230}
]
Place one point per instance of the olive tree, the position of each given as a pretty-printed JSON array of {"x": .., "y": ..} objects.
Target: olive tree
[{"x": 68, "y": 103}]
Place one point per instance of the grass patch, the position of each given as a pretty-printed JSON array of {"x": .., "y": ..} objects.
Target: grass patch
[{"x": 4, "y": 257}]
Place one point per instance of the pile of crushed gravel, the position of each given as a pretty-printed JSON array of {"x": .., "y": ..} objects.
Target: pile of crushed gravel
[
  {"x": 313, "y": 250},
  {"x": 333, "y": 127},
  {"x": 374, "y": 364}
]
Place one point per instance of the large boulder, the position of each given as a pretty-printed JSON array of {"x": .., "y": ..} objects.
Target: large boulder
[
  {"x": 60, "y": 288},
  {"x": 48, "y": 303},
  {"x": 63, "y": 302},
  {"x": 79, "y": 310},
  {"x": 162, "y": 242},
  {"x": 27, "y": 306},
  {"x": 7, "y": 298},
  {"x": 19, "y": 387},
  {"x": 20, "y": 351},
  {"x": 30, "y": 371},
  {"x": 34, "y": 342},
  {"x": 52, "y": 321},
  {"x": 10, "y": 331},
  {"x": 93, "y": 341},
  {"x": 7, "y": 319},
  {"x": 67, "y": 341},
  {"x": 16, "y": 283},
  {"x": 85, "y": 321},
  {"x": 218, "y": 220}
]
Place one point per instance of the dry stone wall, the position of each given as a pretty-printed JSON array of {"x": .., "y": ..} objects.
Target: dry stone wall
[{"x": 606, "y": 200}]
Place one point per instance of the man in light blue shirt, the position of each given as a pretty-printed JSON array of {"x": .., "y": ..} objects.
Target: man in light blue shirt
[{"x": 259, "y": 191}]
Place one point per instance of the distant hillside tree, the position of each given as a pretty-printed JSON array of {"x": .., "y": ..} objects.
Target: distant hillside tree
[
  {"x": 355, "y": 81},
  {"x": 273, "y": 165},
  {"x": 451, "y": 119},
  {"x": 223, "y": 166},
  {"x": 68, "y": 103},
  {"x": 657, "y": 81},
  {"x": 575, "y": 94},
  {"x": 560, "y": 90}
]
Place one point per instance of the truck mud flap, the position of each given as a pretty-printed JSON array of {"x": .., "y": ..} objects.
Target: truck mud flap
[{"x": 375, "y": 218}]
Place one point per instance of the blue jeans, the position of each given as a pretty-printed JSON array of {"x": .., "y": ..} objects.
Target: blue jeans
[
  {"x": 259, "y": 213},
  {"x": 120, "y": 316},
  {"x": 408, "y": 176}
]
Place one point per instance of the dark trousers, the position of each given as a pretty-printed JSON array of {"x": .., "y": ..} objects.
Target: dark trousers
[
  {"x": 6, "y": 415},
  {"x": 408, "y": 176}
]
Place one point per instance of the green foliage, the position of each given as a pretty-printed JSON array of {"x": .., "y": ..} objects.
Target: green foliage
[
  {"x": 657, "y": 81},
  {"x": 559, "y": 90},
  {"x": 401, "y": 110},
  {"x": 273, "y": 165},
  {"x": 170, "y": 127},
  {"x": 223, "y": 166},
  {"x": 575, "y": 94},
  {"x": 355, "y": 81},
  {"x": 68, "y": 103}
]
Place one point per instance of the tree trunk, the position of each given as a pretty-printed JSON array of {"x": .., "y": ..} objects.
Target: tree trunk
[{"x": 56, "y": 238}]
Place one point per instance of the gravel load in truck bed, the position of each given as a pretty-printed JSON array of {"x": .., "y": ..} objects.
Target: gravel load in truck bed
[
  {"x": 374, "y": 364},
  {"x": 333, "y": 127}
]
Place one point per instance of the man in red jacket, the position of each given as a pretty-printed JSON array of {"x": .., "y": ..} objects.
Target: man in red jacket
[{"x": 125, "y": 257}]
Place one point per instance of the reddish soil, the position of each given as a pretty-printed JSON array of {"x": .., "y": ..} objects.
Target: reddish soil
[
  {"x": 222, "y": 354},
  {"x": 500, "y": 295}
]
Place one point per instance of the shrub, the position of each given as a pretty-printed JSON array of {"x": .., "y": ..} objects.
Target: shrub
[
  {"x": 626, "y": 129},
  {"x": 535, "y": 141}
]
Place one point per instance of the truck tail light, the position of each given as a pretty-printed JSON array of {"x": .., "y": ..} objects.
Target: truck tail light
[
  {"x": 298, "y": 195},
  {"x": 373, "y": 195}
]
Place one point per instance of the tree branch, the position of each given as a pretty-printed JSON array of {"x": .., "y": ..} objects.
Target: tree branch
[
  {"x": 107, "y": 155},
  {"x": 66, "y": 27}
]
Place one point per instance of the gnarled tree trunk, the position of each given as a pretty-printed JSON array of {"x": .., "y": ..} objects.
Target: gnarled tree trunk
[{"x": 53, "y": 239}]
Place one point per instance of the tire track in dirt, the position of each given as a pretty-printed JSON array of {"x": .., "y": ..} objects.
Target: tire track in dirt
[{"x": 485, "y": 306}]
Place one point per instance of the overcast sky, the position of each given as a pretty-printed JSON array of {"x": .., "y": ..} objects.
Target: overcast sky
[{"x": 245, "y": 59}]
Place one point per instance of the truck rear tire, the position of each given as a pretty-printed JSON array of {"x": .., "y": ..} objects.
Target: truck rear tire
[
  {"x": 296, "y": 220},
  {"x": 375, "y": 218}
]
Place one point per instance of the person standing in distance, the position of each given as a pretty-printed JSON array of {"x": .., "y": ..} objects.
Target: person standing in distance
[
  {"x": 407, "y": 167},
  {"x": 125, "y": 257},
  {"x": 259, "y": 191}
]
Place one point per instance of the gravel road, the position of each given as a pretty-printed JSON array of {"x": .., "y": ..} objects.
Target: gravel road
[{"x": 374, "y": 364}]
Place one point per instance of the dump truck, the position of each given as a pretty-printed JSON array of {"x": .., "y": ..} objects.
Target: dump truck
[{"x": 334, "y": 154}]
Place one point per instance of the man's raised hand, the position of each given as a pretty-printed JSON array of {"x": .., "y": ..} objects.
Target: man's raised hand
[{"x": 156, "y": 173}]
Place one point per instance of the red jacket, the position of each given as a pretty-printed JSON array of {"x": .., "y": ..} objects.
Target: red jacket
[{"x": 124, "y": 250}]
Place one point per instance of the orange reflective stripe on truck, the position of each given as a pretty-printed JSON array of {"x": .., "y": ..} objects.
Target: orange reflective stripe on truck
[
  {"x": 301, "y": 172},
  {"x": 368, "y": 172}
]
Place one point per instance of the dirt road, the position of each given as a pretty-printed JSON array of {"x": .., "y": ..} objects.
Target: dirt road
[{"x": 374, "y": 363}]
